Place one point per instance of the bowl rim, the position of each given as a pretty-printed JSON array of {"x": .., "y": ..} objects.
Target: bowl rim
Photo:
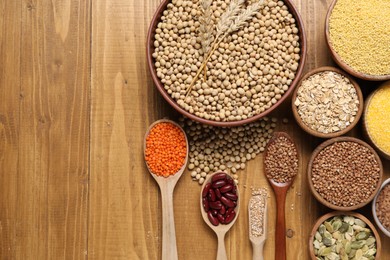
[
  {"x": 310, "y": 166},
  {"x": 366, "y": 133},
  {"x": 377, "y": 221},
  {"x": 150, "y": 49},
  {"x": 313, "y": 132},
  {"x": 336, "y": 57},
  {"x": 326, "y": 216}
]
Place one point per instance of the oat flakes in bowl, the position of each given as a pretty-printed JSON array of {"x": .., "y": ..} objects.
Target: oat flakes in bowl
[{"x": 327, "y": 102}]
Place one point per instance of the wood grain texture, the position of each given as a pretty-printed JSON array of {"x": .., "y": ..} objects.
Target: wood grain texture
[
  {"x": 9, "y": 124},
  {"x": 51, "y": 99},
  {"x": 76, "y": 99}
]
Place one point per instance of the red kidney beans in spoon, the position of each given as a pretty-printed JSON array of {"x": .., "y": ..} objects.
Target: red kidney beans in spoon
[{"x": 219, "y": 199}]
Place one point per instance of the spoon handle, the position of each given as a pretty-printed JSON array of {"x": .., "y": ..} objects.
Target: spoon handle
[
  {"x": 221, "y": 253},
  {"x": 258, "y": 251},
  {"x": 169, "y": 249},
  {"x": 280, "y": 236}
]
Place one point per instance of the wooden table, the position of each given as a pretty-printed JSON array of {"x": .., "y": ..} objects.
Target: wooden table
[{"x": 76, "y": 98}]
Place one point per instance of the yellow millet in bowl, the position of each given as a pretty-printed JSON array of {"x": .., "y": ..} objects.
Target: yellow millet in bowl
[
  {"x": 359, "y": 32},
  {"x": 377, "y": 118}
]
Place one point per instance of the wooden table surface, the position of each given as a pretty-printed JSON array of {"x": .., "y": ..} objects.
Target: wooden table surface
[{"x": 76, "y": 98}]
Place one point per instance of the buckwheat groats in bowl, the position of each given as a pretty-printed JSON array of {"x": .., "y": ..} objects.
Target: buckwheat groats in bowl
[
  {"x": 226, "y": 62},
  {"x": 344, "y": 173}
]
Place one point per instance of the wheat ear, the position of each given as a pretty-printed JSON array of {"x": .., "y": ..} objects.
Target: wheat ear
[
  {"x": 235, "y": 22},
  {"x": 206, "y": 29},
  {"x": 223, "y": 25}
]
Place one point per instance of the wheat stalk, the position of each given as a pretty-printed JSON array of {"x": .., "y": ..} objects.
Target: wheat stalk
[
  {"x": 206, "y": 29},
  {"x": 232, "y": 20},
  {"x": 206, "y": 25}
]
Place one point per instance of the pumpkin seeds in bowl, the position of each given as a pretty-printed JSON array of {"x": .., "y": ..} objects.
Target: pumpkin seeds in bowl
[{"x": 343, "y": 236}]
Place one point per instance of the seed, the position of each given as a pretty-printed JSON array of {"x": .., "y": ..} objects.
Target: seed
[
  {"x": 281, "y": 161},
  {"x": 219, "y": 208},
  {"x": 327, "y": 102},
  {"x": 178, "y": 57},
  {"x": 338, "y": 245},
  {"x": 345, "y": 173},
  {"x": 383, "y": 206},
  {"x": 378, "y": 117},
  {"x": 224, "y": 148},
  {"x": 368, "y": 30},
  {"x": 257, "y": 211}
]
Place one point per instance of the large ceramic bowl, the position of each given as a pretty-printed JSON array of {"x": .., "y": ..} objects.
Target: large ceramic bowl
[
  {"x": 150, "y": 50},
  {"x": 336, "y": 57}
]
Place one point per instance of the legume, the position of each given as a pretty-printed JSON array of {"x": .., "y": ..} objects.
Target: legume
[
  {"x": 327, "y": 102},
  {"x": 248, "y": 73},
  {"x": 219, "y": 199},
  {"x": 359, "y": 34},
  {"x": 226, "y": 149},
  {"x": 166, "y": 149},
  {"x": 378, "y": 118},
  {"x": 345, "y": 173},
  {"x": 383, "y": 207},
  {"x": 281, "y": 160}
]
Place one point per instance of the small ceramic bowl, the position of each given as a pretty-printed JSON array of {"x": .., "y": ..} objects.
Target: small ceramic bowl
[
  {"x": 379, "y": 224},
  {"x": 310, "y": 166},
  {"x": 340, "y": 213},
  {"x": 312, "y": 131},
  {"x": 366, "y": 132},
  {"x": 159, "y": 85},
  {"x": 336, "y": 57}
]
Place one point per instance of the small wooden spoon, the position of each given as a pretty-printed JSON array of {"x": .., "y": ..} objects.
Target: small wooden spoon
[
  {"x": 167, "y": 185},
  {"x": 221, "y": 229},
  {"x": 280, "y": 190},
  {"x": 258, "y": 242}
]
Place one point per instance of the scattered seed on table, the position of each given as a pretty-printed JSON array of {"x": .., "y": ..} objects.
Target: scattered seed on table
[{"x": 218, "y": 148}]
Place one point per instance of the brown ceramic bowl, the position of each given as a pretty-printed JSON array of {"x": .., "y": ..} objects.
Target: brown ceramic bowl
[
  {"x": 340, "y": 61},
  {"x": 374, "y": 213},
  {"x": 172, "y": 102},
  {"x": 333, "y": 134},
  {"x": 310, "y": 166},
  {"x": 366, "y": 133},
  {"x": 340, "y": 213}
]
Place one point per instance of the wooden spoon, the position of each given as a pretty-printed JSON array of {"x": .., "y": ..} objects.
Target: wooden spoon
[
  {"x": 221, "y": 229},
  {"x": 280, "y": 190},
  {"x": 258, "y": 241},
  {"x": 167, "y": 185}
]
